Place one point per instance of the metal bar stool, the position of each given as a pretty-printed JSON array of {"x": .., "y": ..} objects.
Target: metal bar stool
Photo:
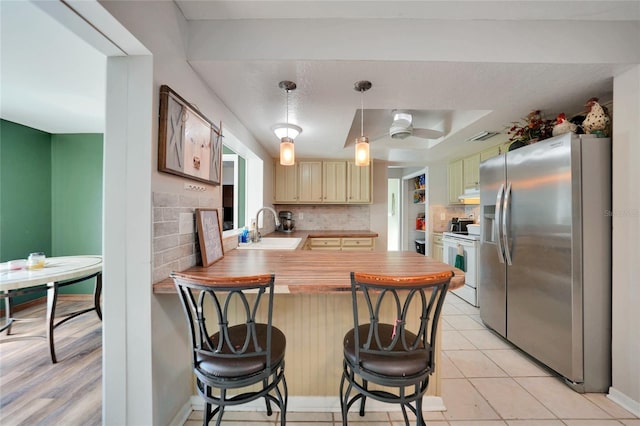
[
  {"x": 384, "y": 351},
  {"x": 231, "y": 350}
]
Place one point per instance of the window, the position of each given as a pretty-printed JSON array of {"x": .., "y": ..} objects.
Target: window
[{"x": 242, "y": 185}]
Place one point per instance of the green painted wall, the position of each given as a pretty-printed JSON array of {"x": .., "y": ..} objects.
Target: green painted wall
[
  {"x": 25, "y": 193},
  {"x": 76, "y": 194},
  {"x": 50, "y": 195}
]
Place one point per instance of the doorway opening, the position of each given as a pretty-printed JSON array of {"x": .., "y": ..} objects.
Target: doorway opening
[{"x": 393, "y": 214}]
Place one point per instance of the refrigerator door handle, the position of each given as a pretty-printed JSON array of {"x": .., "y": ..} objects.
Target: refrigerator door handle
[
  {"x": 505, "y": 231},
  {"x": 496, "y": 223}
]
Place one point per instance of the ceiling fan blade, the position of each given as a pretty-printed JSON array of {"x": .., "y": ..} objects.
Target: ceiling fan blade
[
  {"x": 427, "y": 133},
  {"x": 379, "y": 136}
]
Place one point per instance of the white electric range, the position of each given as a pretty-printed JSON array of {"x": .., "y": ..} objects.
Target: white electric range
[{"x": 470, "y": 245}]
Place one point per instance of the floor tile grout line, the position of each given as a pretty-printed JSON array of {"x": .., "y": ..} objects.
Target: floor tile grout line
[{"x": 522, "y": 387}]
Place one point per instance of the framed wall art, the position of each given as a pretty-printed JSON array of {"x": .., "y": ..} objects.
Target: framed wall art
[
  {"x": 189, "y": 145},
  {"x": 209, "y": 236}
]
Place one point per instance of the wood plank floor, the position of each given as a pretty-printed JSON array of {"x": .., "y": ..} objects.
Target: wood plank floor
[{"x": 33, "y": 391}]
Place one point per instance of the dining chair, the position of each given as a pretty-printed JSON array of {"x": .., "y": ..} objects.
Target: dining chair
[
  {"x": 394, "y": 350},
  {"x": 237, "y": 354}
]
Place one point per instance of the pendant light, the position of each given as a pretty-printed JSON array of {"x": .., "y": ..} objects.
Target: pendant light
[
  {"x": 362, "y": 143},
  {"x": 287, "y": 132}
]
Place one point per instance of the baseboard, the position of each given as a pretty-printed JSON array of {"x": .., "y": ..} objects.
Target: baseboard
[
  {"x": 624, "y": 401},
  {"x": 43, "y": 300},
  {"x": 323, "y": 404},
  {"x": 25, "y": 305},
  {"x": 76, "y": 297},
  {"x": 184, "y": 413}
]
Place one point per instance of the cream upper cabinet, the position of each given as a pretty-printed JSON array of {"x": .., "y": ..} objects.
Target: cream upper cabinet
[
  {"x": 286, "y": 183},
  {"x": 471, "y": 171},
  {"x": 456, "y": 184},
  {"x": 310, "y": 181},
  {"x": 359, "y": 180},
  {"x": 322, "y": 182},
  {"x": 490, "y": 153},
  {"x": 334, "y": 181}
]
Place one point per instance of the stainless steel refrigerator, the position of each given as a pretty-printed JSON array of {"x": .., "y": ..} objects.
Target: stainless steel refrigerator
[{"x": 545, "y": 254}]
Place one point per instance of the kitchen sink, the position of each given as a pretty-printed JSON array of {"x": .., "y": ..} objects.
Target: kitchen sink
[{"x": 272, "y": 244}]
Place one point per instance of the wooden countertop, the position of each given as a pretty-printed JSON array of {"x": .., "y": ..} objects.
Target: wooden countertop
[
  {"x": 310, "y": 271},
  {"x": 324, "y": 234}
]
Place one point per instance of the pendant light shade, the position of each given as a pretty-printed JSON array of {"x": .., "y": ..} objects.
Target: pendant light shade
[
  {"x": 362, "y": 151},
  {"x": 287, "y": 152},
  {"x": 287, "y": 132},
  {"x": 362, "y": 143}
]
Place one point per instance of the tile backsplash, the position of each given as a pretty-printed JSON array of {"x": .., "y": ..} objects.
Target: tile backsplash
[
  {"x": 449, "y": 212},
  {"x": 175, "y": 245},
  {"x": 329, "y": 217}
]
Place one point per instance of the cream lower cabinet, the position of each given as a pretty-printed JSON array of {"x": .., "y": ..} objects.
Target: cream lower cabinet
[
  {"x": 357, "y": 244},
  {"x": 437, "y": 249},
  {"x": 324, "y": 244},
  {"x": 344, "y": 244}
]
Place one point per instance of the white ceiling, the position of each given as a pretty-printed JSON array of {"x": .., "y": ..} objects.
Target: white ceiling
[
  {"x": 422, "y": 56},
  {"x": 50, "y": 79}
]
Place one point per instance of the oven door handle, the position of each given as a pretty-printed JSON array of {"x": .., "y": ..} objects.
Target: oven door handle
[{"x": 496, "y": 223}]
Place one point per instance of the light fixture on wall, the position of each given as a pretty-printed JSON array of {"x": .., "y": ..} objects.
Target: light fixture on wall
[
  {"x": 287, "y": 132},
  {"x": 362, "y": 143}
]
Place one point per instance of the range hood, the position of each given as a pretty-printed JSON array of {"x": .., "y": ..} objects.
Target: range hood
[{"x": 470, "y": 196}]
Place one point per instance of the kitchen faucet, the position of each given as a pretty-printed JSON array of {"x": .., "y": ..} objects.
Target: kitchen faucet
[{"x": 275, "y": 217}]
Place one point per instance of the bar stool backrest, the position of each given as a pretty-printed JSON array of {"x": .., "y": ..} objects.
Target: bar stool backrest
[
  {"x": 403, "y": 296},
  {"x": 227, "y": 298}
]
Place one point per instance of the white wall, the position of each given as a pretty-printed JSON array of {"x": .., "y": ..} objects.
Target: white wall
[
  {"x": 378, "y": 210},
  {"x": 161, "y": 27},
  {"x": 625, "y": 388}
]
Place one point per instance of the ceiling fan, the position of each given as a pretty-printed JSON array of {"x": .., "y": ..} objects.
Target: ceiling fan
[{"x": 402, "y": 127}]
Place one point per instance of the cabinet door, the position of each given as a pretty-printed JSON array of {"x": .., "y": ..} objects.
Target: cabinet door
[
  {"x": 456, "y": 186},
  {"x": 334, "y": 181},
  {"x": 437, "y": 250},
  {"x": 286, "y": 183},
  {"x": 310, "y": 187},
  {"x": 359, "y": 183},
  {"x": 490, "y": 153},
  {"x": 357, "y": 244},
  {"x": 471, "y": 171},
  {"x": 324, "y": 244}
]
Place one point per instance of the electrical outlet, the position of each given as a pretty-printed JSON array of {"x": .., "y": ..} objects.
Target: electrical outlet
[
  {"x": 194, "y": 187},
  {"x": 442, "y": 216},
  {"x": 300, "y": 215}
]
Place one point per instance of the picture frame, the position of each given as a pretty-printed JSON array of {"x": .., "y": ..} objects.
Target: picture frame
[
  {"x": 189, "y": 145},
  {"x": 209, "y": 236}
]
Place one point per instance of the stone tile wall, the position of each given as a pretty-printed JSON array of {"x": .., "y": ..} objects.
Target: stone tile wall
[
  {"x": 329, "y": 217},
  {"x": 175, "y": 245},
  {"x": 449, "y": 212}
]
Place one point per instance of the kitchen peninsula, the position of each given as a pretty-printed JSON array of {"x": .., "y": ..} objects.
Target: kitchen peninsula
[{"x": 314, "y": 309}]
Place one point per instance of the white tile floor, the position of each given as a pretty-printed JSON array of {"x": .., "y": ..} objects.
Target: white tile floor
[{"x": 485, "y": 382}]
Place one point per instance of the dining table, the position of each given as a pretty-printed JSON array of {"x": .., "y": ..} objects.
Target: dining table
[{"x": 57, "y": 272}]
